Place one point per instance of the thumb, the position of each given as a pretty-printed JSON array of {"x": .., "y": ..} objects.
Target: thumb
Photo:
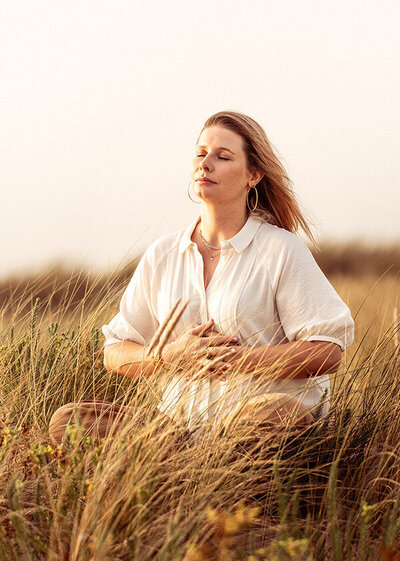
[{"x": 201, "y": 328}]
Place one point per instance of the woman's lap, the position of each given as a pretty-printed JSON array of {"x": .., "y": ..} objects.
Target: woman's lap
[
  {"x": 100, "y": 418},
  {"x": 271, "y": 408}
]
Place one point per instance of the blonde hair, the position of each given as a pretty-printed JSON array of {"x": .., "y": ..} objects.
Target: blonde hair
[{"x": 276, "y": 200}]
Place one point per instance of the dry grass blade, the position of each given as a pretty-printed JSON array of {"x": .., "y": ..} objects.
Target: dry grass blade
[
  {"x": 396, "y": 325},
  {"x": 156, "y": 338},
  {"x": 169, "y": 327},
  {"x": 396, "y": 338}
]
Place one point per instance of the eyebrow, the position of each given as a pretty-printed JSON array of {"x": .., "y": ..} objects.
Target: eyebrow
[{"x": 219, "y": 148}]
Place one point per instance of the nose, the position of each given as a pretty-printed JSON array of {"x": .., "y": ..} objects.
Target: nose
[{"x": 205, "y": 163}]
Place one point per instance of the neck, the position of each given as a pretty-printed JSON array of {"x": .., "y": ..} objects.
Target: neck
[{"x": 218, "y": 225}]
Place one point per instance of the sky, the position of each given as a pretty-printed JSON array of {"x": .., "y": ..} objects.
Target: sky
[{"x": 101, "y": 103}]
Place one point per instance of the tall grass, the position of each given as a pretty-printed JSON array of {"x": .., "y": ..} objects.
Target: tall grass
[{"x": 329, "y": 491}]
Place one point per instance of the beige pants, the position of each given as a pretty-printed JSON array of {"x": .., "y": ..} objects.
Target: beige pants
[{"x": 99, "y": 418}]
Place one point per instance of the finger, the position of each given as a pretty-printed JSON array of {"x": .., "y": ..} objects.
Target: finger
[
  {"x": 208, "y": 371},
  {"x": 206, "y": 327},
  {"x": 203, "y": 328},
  {"x": 215, "y": 363},
  {"x": 206, "y": 330},
  {"x": 221, "y": 352},
  {"x": 215, "y": 338},
  {"x": 218, "y": 373},
  {"x": 222, "y": 375}
]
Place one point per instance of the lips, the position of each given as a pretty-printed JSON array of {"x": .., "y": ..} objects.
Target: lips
[{"x": 204, "y": 180}]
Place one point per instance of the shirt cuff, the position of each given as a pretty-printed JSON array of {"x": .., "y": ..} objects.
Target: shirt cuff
[
  {"x": 112, "y": 340},
  {"x": 325, "y": 338}
]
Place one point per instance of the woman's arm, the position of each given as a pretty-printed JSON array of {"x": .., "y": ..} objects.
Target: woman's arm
[
  {"x": 298, "y": 359},
  {"x": 127, "y": 358}
]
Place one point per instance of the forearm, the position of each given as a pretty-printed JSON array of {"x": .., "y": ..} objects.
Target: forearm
[
  {"x": 298, "y": 359},
  {"x": 127, "y": 358}
]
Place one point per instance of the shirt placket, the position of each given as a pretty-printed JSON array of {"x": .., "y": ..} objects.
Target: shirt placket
[
  {"x": 203, "y": 308},
  {"x": 208, "y": 297}
]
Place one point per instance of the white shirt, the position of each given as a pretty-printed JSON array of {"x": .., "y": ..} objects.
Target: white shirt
[{"x": 267, "y": 289}]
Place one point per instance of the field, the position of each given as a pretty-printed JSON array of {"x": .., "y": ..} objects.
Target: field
[{"x": 327, "y": 492}]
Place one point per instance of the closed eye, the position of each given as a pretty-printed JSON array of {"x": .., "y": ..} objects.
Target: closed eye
[{"x": 219, "y": 157}]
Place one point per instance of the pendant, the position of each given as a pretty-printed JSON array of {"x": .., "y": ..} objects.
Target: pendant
[{"x": 212, "y": 258}]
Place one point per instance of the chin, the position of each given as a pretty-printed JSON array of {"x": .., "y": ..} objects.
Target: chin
[
  {"x": 204, "y": 195},
  {"x": 207, "y": 189},
  {"x": 208, "y": 199}
]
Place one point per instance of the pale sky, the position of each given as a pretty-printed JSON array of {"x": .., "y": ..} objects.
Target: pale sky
[{"x": 102, "y": 102}]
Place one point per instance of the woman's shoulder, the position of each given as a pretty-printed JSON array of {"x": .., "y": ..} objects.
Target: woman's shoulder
[
  {"x": 284, "y": 253},
  {"x": 276, "y": 240}
]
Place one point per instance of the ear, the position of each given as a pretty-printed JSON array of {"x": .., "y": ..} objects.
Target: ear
[{"x": 256, "y": 176}]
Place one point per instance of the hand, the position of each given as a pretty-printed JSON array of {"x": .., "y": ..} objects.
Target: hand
[
  {"x": 196, "y": 344},
  {"x": 218, "y": 362},
  {"x": 214, "y": 363},
  {"x": 196, "y": 340}
]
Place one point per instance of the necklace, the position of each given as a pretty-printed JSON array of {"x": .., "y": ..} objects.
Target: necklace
[{"x": 209, "y": 245}]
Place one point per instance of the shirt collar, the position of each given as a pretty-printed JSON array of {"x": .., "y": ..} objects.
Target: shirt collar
[
  {"x": 185, "y": 239},
  {"x": 239, "y": 242}
]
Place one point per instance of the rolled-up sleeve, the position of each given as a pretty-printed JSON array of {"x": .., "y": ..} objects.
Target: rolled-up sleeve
[
  {"x": 136, "y": 320},
  {"x": 309, "y": 308}
]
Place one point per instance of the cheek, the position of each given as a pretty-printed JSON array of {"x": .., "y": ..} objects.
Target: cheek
[{"x": 236, "y": 174}]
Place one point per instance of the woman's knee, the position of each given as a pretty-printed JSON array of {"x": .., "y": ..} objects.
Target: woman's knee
[
  {"x": 60, "y": 420},
  {"x": 97, "y": 418},
  {"x": 76, "y": 413}
]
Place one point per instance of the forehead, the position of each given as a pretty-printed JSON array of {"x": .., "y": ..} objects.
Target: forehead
[{"x": 217, "y": 136}]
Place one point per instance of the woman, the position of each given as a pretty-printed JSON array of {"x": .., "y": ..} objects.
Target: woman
[{"x": 263, "y": 325}]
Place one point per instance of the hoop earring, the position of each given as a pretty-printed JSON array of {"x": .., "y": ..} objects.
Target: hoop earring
[
  {"x": 247, "y": 199},
  {"x": 188, "y": 192}
]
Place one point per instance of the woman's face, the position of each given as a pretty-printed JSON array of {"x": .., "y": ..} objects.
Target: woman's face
[{"x": 220, "y": 156}]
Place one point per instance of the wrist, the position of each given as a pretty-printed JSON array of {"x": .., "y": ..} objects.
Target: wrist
[
  {"x": 246, "y": 354},
  {"x": 250, "y": 359},
  {"x": 153, "y": 360}
]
